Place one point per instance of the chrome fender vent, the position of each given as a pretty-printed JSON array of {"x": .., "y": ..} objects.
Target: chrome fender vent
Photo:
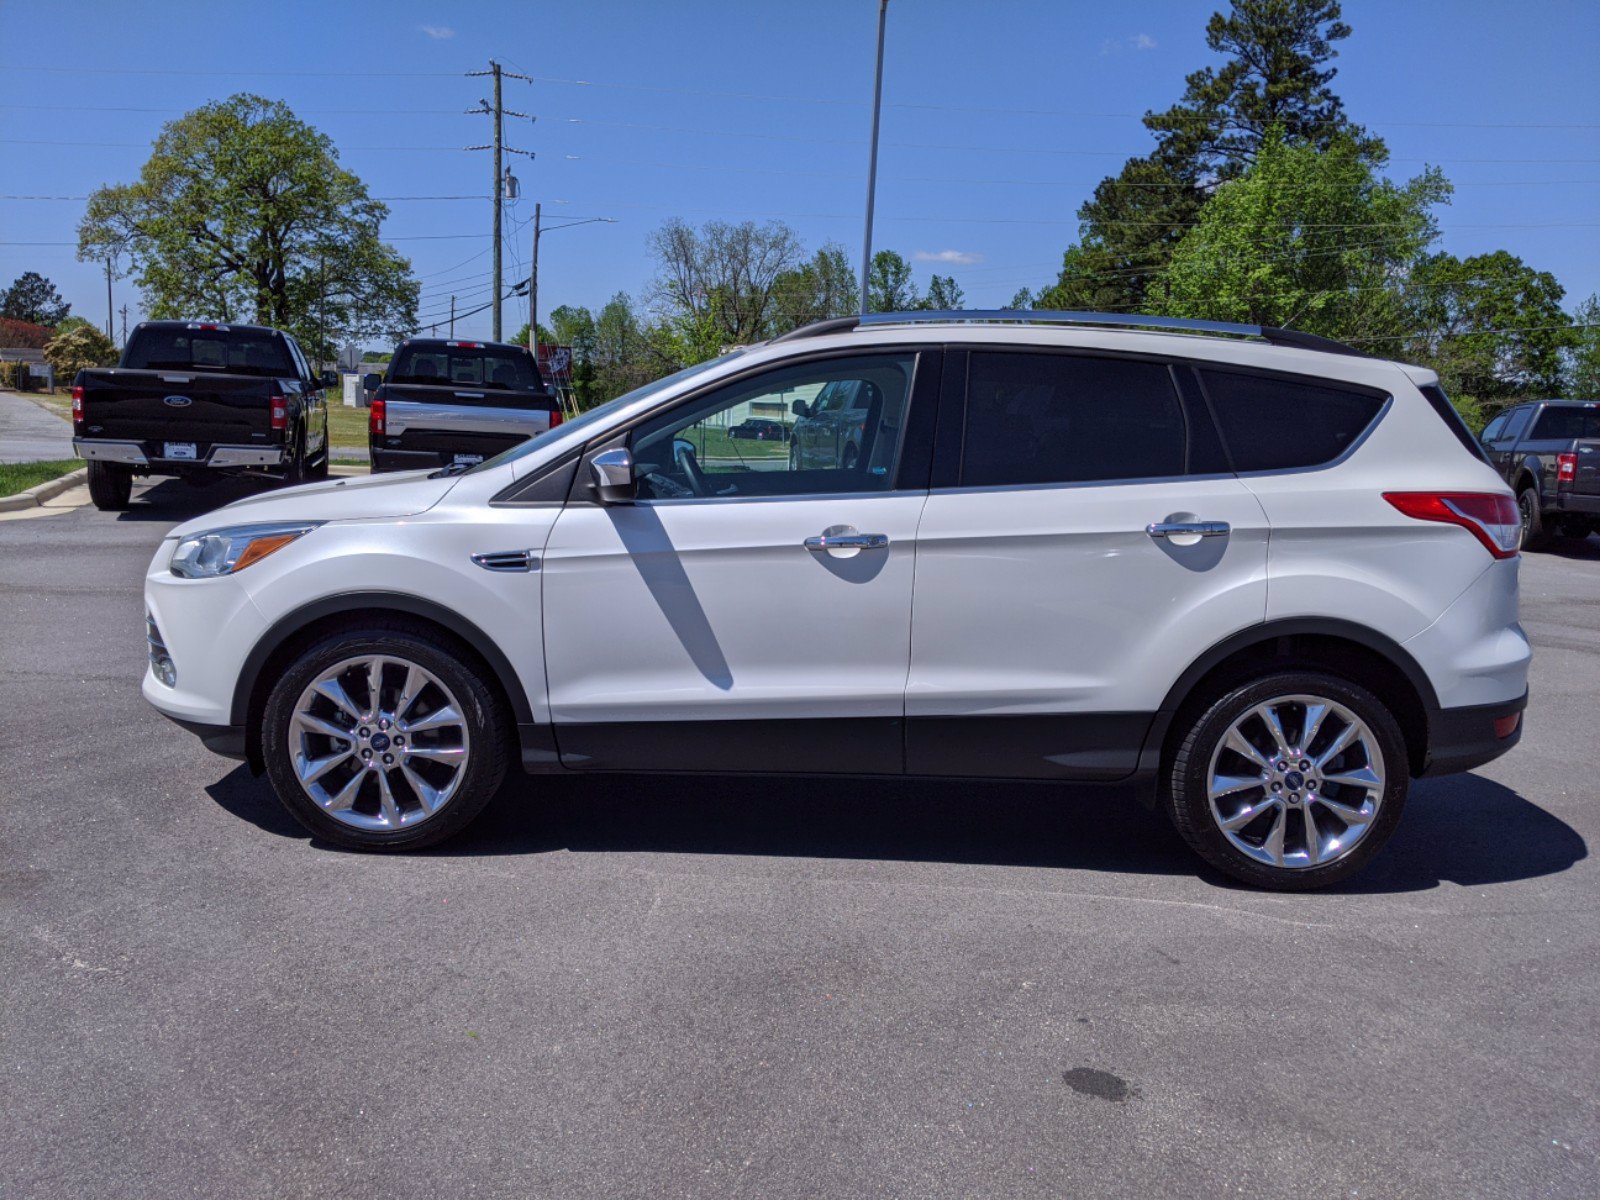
[{"x": 508, "y": 560}]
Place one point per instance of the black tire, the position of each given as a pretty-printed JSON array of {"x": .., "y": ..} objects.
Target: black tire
[
  {"x": 294, "y": 473},
  {"x": 1185, "y": 777},
  {"x": 110, "y": 485},
  {"x": 1533, "y": 533},
  {"x": 487, "y": 723},
  {"x": 319, "y": 469}
]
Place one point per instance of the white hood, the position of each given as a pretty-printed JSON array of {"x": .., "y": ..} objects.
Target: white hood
[{"x": 359, "y": 497}]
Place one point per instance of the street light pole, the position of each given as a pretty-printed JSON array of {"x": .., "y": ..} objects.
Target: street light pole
[
  {"x": 872, "y": 160},
  {"x": 533, "y": 290}
]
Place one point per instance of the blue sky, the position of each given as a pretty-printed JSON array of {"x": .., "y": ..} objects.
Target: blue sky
[{"x": 999, "y": 119}]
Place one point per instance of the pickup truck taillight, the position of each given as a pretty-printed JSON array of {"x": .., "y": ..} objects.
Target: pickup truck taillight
[
  {"x": 77, "y": 404},
  {"x": 280, "y": 413},
  {"x": 1491, "y": 517},
  {"x": 555, "y": 417},
  {"x": 1566, "y": 468},
  {"x": 376, "y": 419}
]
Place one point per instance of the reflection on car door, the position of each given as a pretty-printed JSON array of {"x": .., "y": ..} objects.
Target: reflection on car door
[
  {"x": 1046, "y": 616},
  {"x": 701, "y": 632}
]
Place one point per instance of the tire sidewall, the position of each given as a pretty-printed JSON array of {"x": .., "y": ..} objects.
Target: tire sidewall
[
  {"x": 486, "y": 728},
  {"x": 1189, "y": 805}
]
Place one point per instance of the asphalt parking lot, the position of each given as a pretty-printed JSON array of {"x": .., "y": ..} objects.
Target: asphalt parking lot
[{"x": 701, "y": 986}]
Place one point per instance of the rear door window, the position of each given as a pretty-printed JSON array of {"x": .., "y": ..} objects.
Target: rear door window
[
  {"x": 1517, "y": 423},
  {"x": 1276, "y": 423},
  {"x": 1067, "y": 418}
]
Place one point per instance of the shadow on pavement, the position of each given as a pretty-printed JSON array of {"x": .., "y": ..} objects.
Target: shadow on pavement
[
  {"x": 1465, "y": 830},
  {"x": 173, "y": 500},
  {"x": 1576, "y": 549}
]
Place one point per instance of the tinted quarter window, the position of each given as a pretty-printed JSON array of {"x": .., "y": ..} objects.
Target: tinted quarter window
[
  {"x": 1564, "y": 424},
  {"x": 234, "y": 351},
  {"x": 1271, "y": 423},
  {"x": 1063, "y": 418}
]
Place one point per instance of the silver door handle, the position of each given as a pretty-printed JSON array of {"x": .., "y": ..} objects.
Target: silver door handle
[
  {"x": 1161, "y": 529},
  {"x": 848, "y": 541}
]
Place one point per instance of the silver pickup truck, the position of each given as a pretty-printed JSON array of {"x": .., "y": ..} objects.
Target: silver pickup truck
[{"x": 443, "y": 403}]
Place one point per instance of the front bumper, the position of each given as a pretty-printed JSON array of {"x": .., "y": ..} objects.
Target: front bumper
[
  {"x": 1460, "y": 739},
  {"x": 226, "y": 740},
  {"x": 144, "y": 454}
]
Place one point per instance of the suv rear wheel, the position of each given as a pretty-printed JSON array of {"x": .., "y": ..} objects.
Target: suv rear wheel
[
  {"x": 110, "y": 485},
  {"x": 1291, "y": 782},
  {"x": 384, "y": 739}
]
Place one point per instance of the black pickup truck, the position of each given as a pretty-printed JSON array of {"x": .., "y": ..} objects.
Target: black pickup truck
[
  {"x": 444, "y": 403},
  {"x": 197, "y": 400},
  {"x": 1549, "y": 452}
]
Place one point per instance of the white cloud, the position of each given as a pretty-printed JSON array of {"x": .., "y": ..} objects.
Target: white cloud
[
  {"x": 1143, "y": 41},
  {"x": 964, "y": 258},
  {"x": 438, "y": 32}
]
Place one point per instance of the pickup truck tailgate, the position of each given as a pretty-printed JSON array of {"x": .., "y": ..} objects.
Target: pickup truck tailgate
[
  {"x": 447, "y": 422},
  {"x": 1585, "y": 479},
  {"x": 141, "y": 405}
]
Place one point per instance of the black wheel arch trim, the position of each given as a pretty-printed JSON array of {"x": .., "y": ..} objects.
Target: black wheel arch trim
[
  {"x": 1269, "y": 631},
  {"x": 372, "y": 602}
]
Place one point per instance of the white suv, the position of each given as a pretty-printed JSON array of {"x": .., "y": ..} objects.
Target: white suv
[{"x": 1266, "y": 576}]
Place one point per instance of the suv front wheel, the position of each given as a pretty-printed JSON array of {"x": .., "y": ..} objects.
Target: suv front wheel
[
  {"x": 1291, "y": 782},
  {"x": 384, "y": 739}
]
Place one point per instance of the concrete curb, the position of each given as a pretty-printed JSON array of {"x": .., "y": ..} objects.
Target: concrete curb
[{"x": 35, "y": 496}]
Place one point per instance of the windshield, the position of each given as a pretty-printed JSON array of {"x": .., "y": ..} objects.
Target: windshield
[
  {"x": 208, "y": 348},
  {"x": 466, "y": 364},
  {"x": 595, "y": 415}
]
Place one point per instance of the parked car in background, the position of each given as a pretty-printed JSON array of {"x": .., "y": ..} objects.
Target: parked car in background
[
  {"x": 449, "y": 403},
  {"x": 197, "y": 400},
  {"x": 760, "y": 429},
  {"x": 1549, "y": 452},
  {"x": 1086, "y": 512}
]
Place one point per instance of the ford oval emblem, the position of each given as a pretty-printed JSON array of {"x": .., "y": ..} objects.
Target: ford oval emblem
[{"x": 177, "y": 401}]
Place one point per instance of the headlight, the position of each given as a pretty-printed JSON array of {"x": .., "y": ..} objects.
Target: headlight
[{"x": 224, "y": 551}]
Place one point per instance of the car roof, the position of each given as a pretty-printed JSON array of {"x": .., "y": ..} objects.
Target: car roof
[{"x": 467, "y": 342}]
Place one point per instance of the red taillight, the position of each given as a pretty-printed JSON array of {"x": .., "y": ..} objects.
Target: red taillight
[
  {"x": 1491, "y": 517},
  {"x": 280, "y": 413},
  {"x": 77, "y": 404},
  {"x": 375, "y": 419},
  {"x": 466, "y": 345},
  {"x": 1566, "y": 468},
  {"x": 555, "y": 417}
]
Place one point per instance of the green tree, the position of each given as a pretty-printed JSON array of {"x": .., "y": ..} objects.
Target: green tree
[
  {"x": 1309, "y": 238},
  {"x": 1276, "y": 75},
  {"x": 574, "y": 326},
  {"x": 77, "y": 349},
  {"x": 1583, "y": 371},
  {"x": 717, "y": 284},
  {"x": 821, "y": 287},
  {"x": 889, "y": 286},
  {"x": 243, "y": 212},
  {"x": 33, "y": 298},
  {"x": 1492, "y": 326},
  {"x": 944, "y": 294}
]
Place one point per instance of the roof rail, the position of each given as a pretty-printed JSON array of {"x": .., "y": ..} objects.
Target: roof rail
[{"x": 1031, "y": 316}]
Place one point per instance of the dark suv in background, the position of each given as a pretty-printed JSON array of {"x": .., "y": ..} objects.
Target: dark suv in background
[{"x": 1549, "y": 452}]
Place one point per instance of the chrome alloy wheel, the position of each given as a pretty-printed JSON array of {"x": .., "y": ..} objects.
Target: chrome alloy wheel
[
  {"x": 378, "y": 743},
  {"x": 1296, "y": 782}
]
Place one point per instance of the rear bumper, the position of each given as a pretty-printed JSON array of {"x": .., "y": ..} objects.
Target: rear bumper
[
  {"x": 409, "y": 460},
  {"x": 143, "y": 454},
  {"x": 1570, "y": 502},
  {"x": 1460, "y": 739}
]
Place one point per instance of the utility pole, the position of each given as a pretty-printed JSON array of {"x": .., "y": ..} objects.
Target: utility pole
[
  {"x": 124, "y": 325},
  {"x": 322, "y": 307},
  {"x": 872, "y": 161},
  {"x": 452, "y": 316},
  {"x": 111, "y": 329},
  {"x": 533, "y": 291},
  {"x": 499, "y": 112}
]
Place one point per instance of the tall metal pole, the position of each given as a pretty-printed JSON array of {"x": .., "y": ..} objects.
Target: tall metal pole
[
  {"x": 452, "y": 316},
  {"x": 499, "y": 125},
  {"x": 872, "y": 160},
  {"x": 533, "y": 290},
  {"x": 111, "y": 329}
]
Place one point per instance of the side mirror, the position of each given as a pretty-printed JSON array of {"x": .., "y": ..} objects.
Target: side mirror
[
  {"x": 372, "y": 382},
  {"x": 800, "y": 408},
  {"x": 613, "y": 477},
  {"x": 329, "y": 379}
]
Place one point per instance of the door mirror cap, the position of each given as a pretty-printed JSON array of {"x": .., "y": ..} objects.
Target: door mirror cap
[
  {"x": 329, "y": 379},
  {"x": 372, "y": 382},
  {"x": 800, "y": 408},
  {"x": 614, "y": 482}
]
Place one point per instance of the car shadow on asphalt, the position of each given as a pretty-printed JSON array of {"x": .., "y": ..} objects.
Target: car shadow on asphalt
[
  {"x": 173, "y": 500},
  {"x": 1466, "y": 830},
  {"x": 1575, "y": 549}
]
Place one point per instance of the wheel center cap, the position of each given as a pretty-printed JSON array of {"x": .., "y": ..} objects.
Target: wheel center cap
[
  {"x": 380, "y": 742},
  {"x": 1293, "y": 779}
]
